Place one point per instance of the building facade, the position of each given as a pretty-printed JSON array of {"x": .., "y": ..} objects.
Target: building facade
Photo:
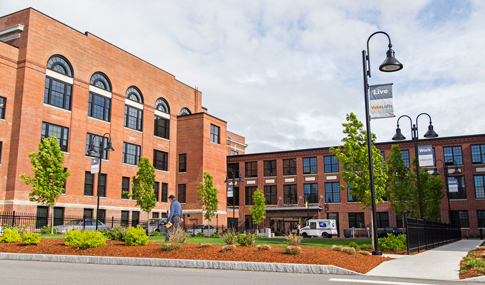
[
  {"x": 58, "y": 81},
  {"x": 290, "y": 178}
]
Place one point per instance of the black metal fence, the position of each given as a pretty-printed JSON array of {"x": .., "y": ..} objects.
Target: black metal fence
[{"x": 422, "y": 234}]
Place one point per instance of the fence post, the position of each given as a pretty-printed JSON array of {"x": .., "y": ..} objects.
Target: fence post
[
  {"x": 112, "y": 220},
  {"x": 407, "y": 233},
  {"x": 13, "y": 219}
]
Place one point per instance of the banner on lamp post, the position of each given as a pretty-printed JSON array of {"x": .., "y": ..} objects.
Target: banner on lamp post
[
  {"x": 425, "y": 155},
  {"x": 230, "y": 192},
  {"x": 94, "y": 165},
  {"x": 452, "y": 184},
  {"x": 380, "y": 100}
]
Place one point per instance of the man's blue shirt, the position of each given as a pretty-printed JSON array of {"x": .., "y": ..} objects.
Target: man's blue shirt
[{"x": 175, "y": 210}]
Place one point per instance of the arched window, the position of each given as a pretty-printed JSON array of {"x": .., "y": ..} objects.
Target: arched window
[
  {"x": 162, "y": 105},
  {"x": 58, "y": 88},
  {"x": 134, "y": 94},
  {"x": 184, "y": 112},
  {"x": 101, "y": 81},
  {"x": 99, "y": 106},
  {"x": 60, "y": 64}
]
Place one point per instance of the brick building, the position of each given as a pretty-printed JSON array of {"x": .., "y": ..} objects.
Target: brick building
[
  {"x": 57, "y": 80},
  {"x": 288, "y": 177}
]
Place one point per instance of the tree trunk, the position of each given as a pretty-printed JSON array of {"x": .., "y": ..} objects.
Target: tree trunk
[{"x": 148, "y": 228}]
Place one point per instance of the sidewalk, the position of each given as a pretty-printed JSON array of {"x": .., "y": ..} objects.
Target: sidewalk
[{"x": 442, "y": 263}]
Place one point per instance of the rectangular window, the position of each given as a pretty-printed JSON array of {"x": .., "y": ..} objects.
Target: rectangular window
[
  {"x": 102, "y": 216},
  {"x": 88, "y": 184},
  {"x": 270, "y": 195},
  {"x": 460, "y": 218},
  {"x": 269, "y": 168},
  {"x": 248, "y": 197},
  {"x": 251, "y": 169},
  {"x": 155, "y": 215},
  {"x": 399, "y": 222},
  {"x": 289, "y": 194},
  {"x": 125, "y": 187},
  {"x": 133, "y": 118},
  {"x": 356, "y": 220},
  {"x": 332, "y": 192},
  {"x": 405, "y": 157},
  {"x": 383, "y": 156},
  {"x": 234, "y": 167},
  {"x": 350, "y": 197},
  {"x": 481, "y": 218},
  {"x": 248, "y": 222},
  {"x": 233, "y": 152},
  {"x": 479, "y": 186},
  {"x": 162, "y": 127},
  {"x": 135, "y": 218},
  {"x": 235, "y": 199},
  {"x": 58, "y": 216},
  {"x": 289, "y": 166},
  {"x": 3, "y": 104},
  {"x": 62, "y": 134},
  {"x": 183, "y": 162},
  {"x": 97, "y": 145},
  {"x": 57, "y": 93},
  {"x": 102, "y": 179},
  {"x": 453, "y": 153},
  {"x": 215, "y": 131},
  {"x": 460, "y": 180},
  {"x": 125, "y": 218},
  {"x": 182, "y": 191},
  {"x": 382, "y": 219},
  {"x": 164, "y": 192},
  {"x": 99, "y": 107},
  {"x": 330, "y": 164},
  {"x": 311, "y": 192},
  {"x": 160, "y": 160},
  {"x": 131, "y": 153},
  {"x": 478, "y": 153},
  {"x": 88, "y": 213},
  {"x": 309, "y": 165},
  {"x": 156, "y": 191},
  {"x": 42, "y": 216}
]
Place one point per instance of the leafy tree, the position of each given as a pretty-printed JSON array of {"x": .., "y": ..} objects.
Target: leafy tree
[
  {"x": 142, "y": 186},
  {"x": 353, "y": 156},
  {"x": 207, "y": 197},
  {"x": 257, "y": 211},
  {"x": 49, "y": 176}
]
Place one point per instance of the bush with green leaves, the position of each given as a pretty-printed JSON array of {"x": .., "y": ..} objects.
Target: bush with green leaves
[
  {"x": 47, "y": 230},
  {"x": 246, "y": 239},
  {"x": 73, "y": 237},
  {"x": 216, "y": 235},
  {"x": 115, "y": 233},
  {"x": 135, "y": 236},
  {"x": 31, "y": 238},
  {"x": 200, "y": 234},
  {"x": 10, "y": 235},
  {"x": 92, "y": 239},
  {"x": 155, "y": 234},
  {"x": 366, "y": 246},
  {"x": 392, "y": 242},
  {"x": 229, "y": 237},
  {"x": 354, "y": 245},
  {"x": 20, "y": 229}
]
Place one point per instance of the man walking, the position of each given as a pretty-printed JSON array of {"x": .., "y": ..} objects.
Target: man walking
[{"x": 175, "y": 214}]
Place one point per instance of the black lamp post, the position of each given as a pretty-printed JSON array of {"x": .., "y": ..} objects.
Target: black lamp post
[
  {"x": 390, "y": 64},
  {"x": 415, "y": 135},
  {"x": 233, "y": 185},
  {"x": 456, "y": 171},
  {"x": 91, "y": 151}
]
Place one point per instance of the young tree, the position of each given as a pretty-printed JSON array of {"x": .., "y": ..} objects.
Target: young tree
[
  {"x": 258, "y": 210},
  {"x": 354, "y": 159},
  {"x": 49, "y": 176},
  {"x": 207, "y": 197},
  {"x": 142, "y": 186}
]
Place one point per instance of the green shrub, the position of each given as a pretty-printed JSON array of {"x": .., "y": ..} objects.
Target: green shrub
[
  {"x": 354, "y": 245},
  {"x": 366, "y": 246},
  {"x": 200, "y": 234},
  {"x": 229, "y": 237},
  {"x": 292, "y": 239},
  {"x": 10, "y": 235},
  {"x": 155, "y": 234},
  {"x": 92, "y": 239},
  {"x": 20, "y": 229},
  {"x": 31, "y": 238},
  {"x": 474, "y": 263},
  {"x": 115, "y": 233},
  {"x": 246, "y": 239},
  {"x": 47, "y": 230},
  {"x": 73, "y": 237},
  {"x": 392, "y": 242},
  {"x": 135, "y": 236},
  {"x": 216, "y": 235}
]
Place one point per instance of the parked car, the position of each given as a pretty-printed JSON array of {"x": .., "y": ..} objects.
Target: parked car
[
  {"x": 157, "y": 225},
  {"x": 79, "y": 224},
  {"x": 390, "y": 230},
  {"x": 207, "y": 229}
]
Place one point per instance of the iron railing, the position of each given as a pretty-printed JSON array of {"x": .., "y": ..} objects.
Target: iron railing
[{"x": 423, "y": 234}]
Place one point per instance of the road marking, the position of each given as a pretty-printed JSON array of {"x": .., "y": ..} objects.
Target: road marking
[{"x": 375, "y": 282}]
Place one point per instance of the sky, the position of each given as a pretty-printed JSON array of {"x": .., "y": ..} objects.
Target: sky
[{"x": 284, "y": 74}]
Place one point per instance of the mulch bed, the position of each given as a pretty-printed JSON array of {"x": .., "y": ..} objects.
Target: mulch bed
[{"x": 472, "y": 272}]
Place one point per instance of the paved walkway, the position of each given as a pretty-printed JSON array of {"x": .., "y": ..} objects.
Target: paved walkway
[{"x": 442, "y": 263}]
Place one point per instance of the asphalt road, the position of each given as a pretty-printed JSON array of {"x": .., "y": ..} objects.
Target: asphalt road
[{"x": 35, "y": 272}]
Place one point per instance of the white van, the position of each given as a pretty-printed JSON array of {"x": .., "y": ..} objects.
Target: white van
[{"x": 324, "y": 228}]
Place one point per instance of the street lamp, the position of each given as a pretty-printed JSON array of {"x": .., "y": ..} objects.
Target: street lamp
[
  {"x": 233, "y": 185},
  {"x": 415, "y": 135},
  {"x": 91, "y": 151},
  {"x": 456, "y": 171},
  {"x": 390, "y": 64}
]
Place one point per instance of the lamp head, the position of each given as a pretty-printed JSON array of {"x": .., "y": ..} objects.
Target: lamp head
[
  {"x": 109, "y": 147},
  {"x": 227, "y": 180},
  {"x": 91, "y": 149},
  {"x": 456, "y": 171},
  {"x": 240, "y": 179},
  {"x": 430, "y": 133},
  {"x": 435, "y": 172},
  {"x": 390, "y": 64},
  {"x": 398, "y": 136}
]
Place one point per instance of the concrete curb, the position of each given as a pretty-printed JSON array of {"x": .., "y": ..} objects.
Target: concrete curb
[{"x": 184, "y": 263}]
